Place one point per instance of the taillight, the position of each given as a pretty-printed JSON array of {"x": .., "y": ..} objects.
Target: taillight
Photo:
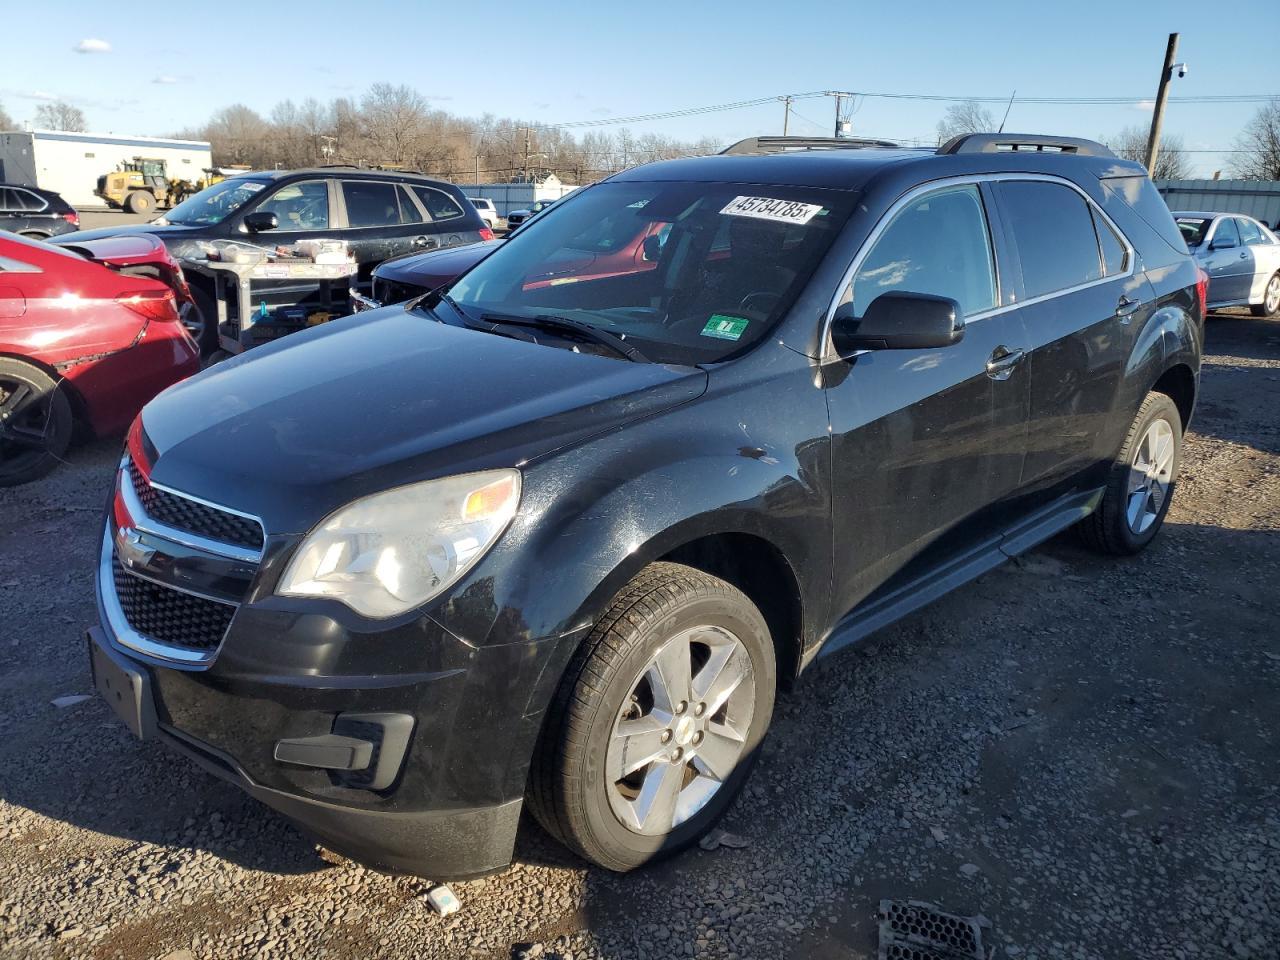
[
  {"x": 486, "y": 233},
  {"x": 156, "y": 305},
  {"x": 72, "y": 218},
  {"x": 1202, "y": 291}
]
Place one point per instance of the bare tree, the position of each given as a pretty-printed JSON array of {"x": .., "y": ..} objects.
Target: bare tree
[
  {"x": 1171, "y": 163},
  {"x": 6, "y": 121},
  {"x": 395, "y": 118},
  {"x": 1259, "y": 145},
  {"x": 60, "y": 115},
  {"x": 968, "y": 116}
]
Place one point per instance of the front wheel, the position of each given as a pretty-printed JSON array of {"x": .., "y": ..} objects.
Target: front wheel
[
  {"x": 1141, "y": 483},
  {"x": 1270, "y": 299},
  {"x": 657, "y": 721}
]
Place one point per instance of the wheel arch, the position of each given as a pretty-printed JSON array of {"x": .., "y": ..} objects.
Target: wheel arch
[
  {"x": 1178, "y": 383},
  {"x": 79, "y": 407}
]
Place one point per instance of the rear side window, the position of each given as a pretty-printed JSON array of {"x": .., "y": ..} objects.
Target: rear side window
[
  {"x": 938, "y": 244},
  {"x": 370, "y": 203},
  {"x": 1053, "y": 228},
  {"x": 6, "y": 200},
  {"x": 409, "y": 212},
  {"x": 1249, "y": 232},
  {"x": 1115, "y": 259},
  {"x": 439, "y": 204}
]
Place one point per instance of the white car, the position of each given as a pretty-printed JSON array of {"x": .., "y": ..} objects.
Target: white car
[
  {"x": 1241, "y": 256},
  {"x": 488, "y": 212}
]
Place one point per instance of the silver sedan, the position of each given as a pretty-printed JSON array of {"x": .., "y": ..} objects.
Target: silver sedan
[{"x": 1241, "y": 256}]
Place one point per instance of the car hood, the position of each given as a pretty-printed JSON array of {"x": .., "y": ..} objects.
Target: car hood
[
  {"x": 292, "y": 430},
  {"x": 437, "y": 266},
  {"x": 167, "y": 232}
]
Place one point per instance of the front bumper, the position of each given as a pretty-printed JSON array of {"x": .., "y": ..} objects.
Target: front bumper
[{"x": 399, "y": 745}]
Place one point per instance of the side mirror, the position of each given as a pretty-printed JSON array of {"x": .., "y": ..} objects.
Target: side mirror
[
  {"x": 1222, "y": 243},
  {"x": 652, "y": 248},
  {"x": 899, "y": 321},
  {"x": 261, "y": 220}
]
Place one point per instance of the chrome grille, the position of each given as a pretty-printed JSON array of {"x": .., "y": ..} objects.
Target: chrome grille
[
  {"x": 169, "y": 616},
  {"x": 182, "y": 513}
]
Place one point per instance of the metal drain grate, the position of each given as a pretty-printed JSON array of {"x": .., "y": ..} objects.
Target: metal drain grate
[{"x": 914, "y": 930}]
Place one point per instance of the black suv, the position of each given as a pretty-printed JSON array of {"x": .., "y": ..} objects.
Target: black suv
[
  {"x": 381, "y": 214},
  {"x": 558, "y": 541},
  {"x": 32, "y": 212}
]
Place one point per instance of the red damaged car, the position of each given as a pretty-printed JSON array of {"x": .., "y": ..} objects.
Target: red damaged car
[{"x": 88, "y": 334}]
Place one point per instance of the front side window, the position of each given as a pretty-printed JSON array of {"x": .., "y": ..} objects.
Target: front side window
[
  {"x": 1250, "y": 235},
  {"x": 654, "y": 275},
  {"x": 1053, "y": 229},
  {"x": 1226, "y": 234},
  {"x": 938, "y": 244},
  {"x": 1193, "y": 229},
  {"x": 299, "y": 206}
]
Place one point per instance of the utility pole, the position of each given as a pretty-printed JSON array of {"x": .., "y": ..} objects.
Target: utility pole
[
  {"x": 786, "y": 113},
  {"x": 839, "y": 97},
  {"x": 524, "y": 169},
  {"x": 1157, "y": 115}
]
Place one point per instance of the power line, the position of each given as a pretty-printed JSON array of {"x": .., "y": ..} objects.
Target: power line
[{"x": 942, "y": 98}]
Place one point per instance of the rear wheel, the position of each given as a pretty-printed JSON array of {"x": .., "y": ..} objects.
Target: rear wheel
[
  {"x": 1141, "y": 484},
  {"x": 140, "y": 202},
  {"x": 35, "y": 423},
  {"x": 658, "y": 719},
  {"x": 201, "y": 320},
  {"x": 1270, "y": 299}
]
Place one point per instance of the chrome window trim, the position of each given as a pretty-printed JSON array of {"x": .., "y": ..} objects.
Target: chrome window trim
[
  {"x": 123, "y": 634},
  {"x": 828, "y": 348},
  {"x": 144, "y": 521}
]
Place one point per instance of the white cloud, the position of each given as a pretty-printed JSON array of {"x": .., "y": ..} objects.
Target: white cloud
[
  {"x": 92, "y": 45},
  {"x": 165, "y": 78},
  {"x": 1146, "y": 105},
  {"x": 39, "y": 95}
]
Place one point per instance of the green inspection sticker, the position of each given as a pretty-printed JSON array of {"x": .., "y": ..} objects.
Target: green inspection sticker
[{"x": 725, "y": 328}]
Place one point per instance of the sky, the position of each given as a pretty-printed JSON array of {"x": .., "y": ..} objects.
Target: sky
[{"x": 559, "y": 62}]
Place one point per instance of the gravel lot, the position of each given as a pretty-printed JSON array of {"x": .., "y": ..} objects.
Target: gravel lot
[{"x": 1082, "y": 750}]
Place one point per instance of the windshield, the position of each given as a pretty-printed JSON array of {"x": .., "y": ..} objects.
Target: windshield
[
  {"x": 214, "y": 204},
  {"x": 687, "y": 272},
  {"x": 1193, "y": 230}
]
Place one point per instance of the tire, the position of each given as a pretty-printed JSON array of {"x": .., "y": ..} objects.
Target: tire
[
  {"x": 203, "y": 325},
  {"x": 35, "y": 423},
  {"x": 1270, "y": 304},
  {"x": 611, "y": 682},
  {"x": 1133, "y": 506},
  {"x": 140, "y": 202}
]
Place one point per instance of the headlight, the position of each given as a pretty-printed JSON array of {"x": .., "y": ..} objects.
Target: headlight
[{"x": 394, "y": 551}]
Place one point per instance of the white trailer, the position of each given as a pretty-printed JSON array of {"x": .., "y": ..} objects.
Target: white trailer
[
  {"x": 513, "y": 196},
  {"x": 71, "y": 163}
]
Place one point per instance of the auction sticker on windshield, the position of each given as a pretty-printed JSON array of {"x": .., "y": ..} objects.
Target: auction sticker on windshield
[
  {"x": 724, "y": 328},
  {"x": 765, "y": 208}
]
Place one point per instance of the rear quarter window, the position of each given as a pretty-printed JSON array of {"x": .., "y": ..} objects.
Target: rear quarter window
[
  {"x": 1141, "y": 196},
  {"x": 439, "y": 204}
]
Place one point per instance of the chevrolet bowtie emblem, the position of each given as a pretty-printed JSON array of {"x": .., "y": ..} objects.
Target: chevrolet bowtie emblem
[{"x": 130, "y": 549}]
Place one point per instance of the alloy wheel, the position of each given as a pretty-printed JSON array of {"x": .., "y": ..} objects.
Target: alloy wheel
[
  {"x": 681, "y": 730},
  {"x": 1150, "y": 476},
  {"x": 28, "y": 429},
  {"x": 1271, "y": 299}
]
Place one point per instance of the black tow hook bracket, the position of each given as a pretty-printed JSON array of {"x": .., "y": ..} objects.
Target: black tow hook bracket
[{"x": 365, "y": 750}]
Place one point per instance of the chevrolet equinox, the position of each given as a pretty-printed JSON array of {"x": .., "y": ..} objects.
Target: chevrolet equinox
[{"x": 555, "y": 535}]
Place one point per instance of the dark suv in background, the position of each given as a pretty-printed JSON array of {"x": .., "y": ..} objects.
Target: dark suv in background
[
  {"x": 381, "y": 214},
  {"x": 35, "y": 213},
  {"x": 559, "y": 541}
]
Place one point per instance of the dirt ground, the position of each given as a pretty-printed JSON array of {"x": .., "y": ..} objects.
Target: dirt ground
[{"x": 1083, "y": 750}]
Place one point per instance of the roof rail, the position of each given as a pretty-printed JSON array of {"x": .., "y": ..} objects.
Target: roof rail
[
  {"x": 1023, "y": 142},
  {"x": 763, "y": 145}
]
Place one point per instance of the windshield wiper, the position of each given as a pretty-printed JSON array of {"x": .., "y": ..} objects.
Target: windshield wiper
[{"x": 547, "y": 321}]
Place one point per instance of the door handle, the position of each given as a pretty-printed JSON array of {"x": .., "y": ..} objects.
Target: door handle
[
  {"x": 1126, "y": 308},
  {"x": 1002, "y": 362},
  {"x": 421, "y": 241}
]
